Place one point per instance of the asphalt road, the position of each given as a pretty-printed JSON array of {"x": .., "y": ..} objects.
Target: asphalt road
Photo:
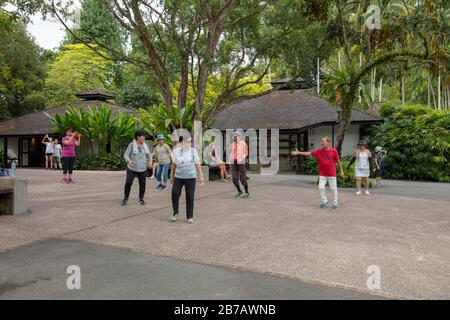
[{"x": 38, "y": 271}]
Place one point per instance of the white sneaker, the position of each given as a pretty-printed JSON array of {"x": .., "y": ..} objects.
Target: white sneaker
[
  {"x": 358, "y": 193},
  {"x": 367, "y": 193},
  {"x": 174, "y": 218},
  {"x": 190, "y": 220}
]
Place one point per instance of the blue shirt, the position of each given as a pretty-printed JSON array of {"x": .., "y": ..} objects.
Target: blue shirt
[{"x": 185, "y": 161}]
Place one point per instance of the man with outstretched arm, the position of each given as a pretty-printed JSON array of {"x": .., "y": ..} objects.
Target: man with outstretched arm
[{"x": 327, "y": 157}]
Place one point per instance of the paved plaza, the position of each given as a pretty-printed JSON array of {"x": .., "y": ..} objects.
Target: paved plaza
[{"x": 277, "y": 244}]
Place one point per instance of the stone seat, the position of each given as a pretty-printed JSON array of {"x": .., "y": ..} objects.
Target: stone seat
[{"x": 13, "y": 195}]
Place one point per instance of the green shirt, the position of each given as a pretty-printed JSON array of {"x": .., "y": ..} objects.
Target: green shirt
[{"x": 163, "y": 153}]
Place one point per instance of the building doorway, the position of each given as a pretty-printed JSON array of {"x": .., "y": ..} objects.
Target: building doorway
[{"x": 31, "y": 152}]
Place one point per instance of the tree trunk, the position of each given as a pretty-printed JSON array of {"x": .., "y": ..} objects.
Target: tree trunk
[{"x": 344, "y": 123}]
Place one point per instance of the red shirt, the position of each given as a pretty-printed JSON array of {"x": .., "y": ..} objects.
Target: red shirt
[{"x": 327, "y": 161}]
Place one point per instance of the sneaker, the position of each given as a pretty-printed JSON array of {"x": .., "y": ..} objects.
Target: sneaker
[
  {"x": 358, "y": 193},
  {"x": 367, "y": 193},
  {"x": 64, "y": 180},
  {"x": 174, "y": 218},
  {"x": 323, "y": 205},
  {"x": 246, "y": 195},
  {"x": 158, "y": 186},
  {"x": 334, "y": 206},
  {"x": 124, "y": 202},
  {"x": 141, "y": 202},
  {"x": 70, "y": 181},
  {"x": 237, "y": 195},
  {"x": 163, "y": 188},
  {"x": 190, "y": 220}
]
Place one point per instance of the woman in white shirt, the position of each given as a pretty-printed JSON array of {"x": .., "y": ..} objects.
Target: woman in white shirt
[
  {"x": 183, "y": 173},
  {"x": 48, "y": 142},
  {"x": 362, "y": 167}
]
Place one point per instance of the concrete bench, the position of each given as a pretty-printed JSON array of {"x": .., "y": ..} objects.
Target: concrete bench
[{"x": 13, "y": 196}]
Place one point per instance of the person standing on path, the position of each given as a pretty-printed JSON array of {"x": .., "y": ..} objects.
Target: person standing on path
[
  {"x": 185, "y": 161},
  {"x": 70, "y": 141},
  {"x": 327, "y": 157},
  {"x": 361, "y": 157},
  {"x": 48, "y": 142},
  {"x": 239, "y": 152},
  {"x": 138, "y": 158},
  {"x": 164, "y": 156},
  {"x": 379, "y": 163},
  {"x": 57, "y": 155}
]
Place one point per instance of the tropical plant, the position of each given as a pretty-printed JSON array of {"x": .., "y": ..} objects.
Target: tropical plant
[
  {"x": 103, "y": 161},
  {"x": 98, "y": 124},
  {"x": 417, "y": 139},
  {"x": 157, "y": 119}
]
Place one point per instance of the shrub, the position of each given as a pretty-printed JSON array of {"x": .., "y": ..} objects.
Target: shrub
[
  {"x": 106, "y": 161},
  {"x": 417, "y": 139}
]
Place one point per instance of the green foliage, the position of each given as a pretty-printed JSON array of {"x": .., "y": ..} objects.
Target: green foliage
[
  {"x": 76, "y": 68},
  {"x": 103, "y": 161},
  {"x": 98, "y": 124},
  {"x": 97, "y": 24},
  {"x": 158, "y": 119},
  {"x": 417, "y": 139},
  {"x": 22, "y": 72}
]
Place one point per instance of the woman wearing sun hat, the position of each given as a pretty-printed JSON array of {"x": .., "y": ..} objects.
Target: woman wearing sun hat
[
  {"x": 379, "y": 164},
  {"x": 164, "y": 156}
]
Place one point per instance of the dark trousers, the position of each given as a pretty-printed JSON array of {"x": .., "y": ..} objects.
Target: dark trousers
[
  {"x": 189, "y": 187},
  {"x": 67, "y": 163},
  {"x": 129, "y": 182},
  {"x": 239, "y": 173}
]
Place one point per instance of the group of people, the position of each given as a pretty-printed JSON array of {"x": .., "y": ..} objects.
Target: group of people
[
  {"x": 181, "y": 166},
  {"x": 52, "y": 153},
  {"x": 327, "y": 158}
]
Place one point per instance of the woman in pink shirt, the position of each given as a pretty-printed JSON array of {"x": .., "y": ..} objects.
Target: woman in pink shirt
[{"x": 70, "y": 141}]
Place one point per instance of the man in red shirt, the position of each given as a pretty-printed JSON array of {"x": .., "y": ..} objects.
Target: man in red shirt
[{"x": 326, "y": 159}]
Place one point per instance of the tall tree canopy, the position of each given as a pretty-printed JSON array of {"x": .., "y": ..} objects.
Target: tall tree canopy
[
  {"x": 76, "y": 68},
  {"x": 190, "y": 41},
  {"x": 22, "y": 71}
]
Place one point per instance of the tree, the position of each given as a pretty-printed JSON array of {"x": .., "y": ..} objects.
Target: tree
[
  {"x": 97, "y": 24},
  {"x": 76, "y": 68},
  {"x": 190, "y": 41},
  {"x": 21, "y": 69},
  {"x": 367, "y": 48}
]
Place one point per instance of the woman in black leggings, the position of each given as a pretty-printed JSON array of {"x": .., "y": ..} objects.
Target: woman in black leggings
[
  {"x": 70, "y": 141},
  {"x": 183, "y": 174}
]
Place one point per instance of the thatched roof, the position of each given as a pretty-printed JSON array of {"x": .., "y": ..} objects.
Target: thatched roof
[
  {"x": 39, "y": 122},
  {"x": 283, "y": 109}
]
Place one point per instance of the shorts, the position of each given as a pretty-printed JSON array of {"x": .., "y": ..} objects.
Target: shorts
[
  {"x": 49, "y": 154},
  {"x": 213, "y": 164},
  {"x": 57, "y": 158}
]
